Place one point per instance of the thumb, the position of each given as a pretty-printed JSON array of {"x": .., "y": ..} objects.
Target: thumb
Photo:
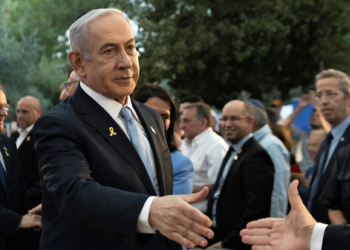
[
  {"x": 294, "y": 197},
  {"x": 196, "y": 197}
]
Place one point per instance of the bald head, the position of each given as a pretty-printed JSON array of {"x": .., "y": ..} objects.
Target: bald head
[
  {"x": 236, "y": 120},
  {"x": 28, "y": 111}
]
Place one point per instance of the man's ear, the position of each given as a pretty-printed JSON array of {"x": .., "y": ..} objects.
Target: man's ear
[
  {"x": 204, "y": 122},
  {"x": 77, "y": 62}
]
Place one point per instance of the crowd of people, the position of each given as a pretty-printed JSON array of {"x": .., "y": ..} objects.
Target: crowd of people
[{"x": 113, "y": 168}]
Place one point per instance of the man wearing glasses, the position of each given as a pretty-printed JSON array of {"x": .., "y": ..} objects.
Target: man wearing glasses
[
  {"x": 332, "y": 93},
  {"x": 70, "y": 86}
]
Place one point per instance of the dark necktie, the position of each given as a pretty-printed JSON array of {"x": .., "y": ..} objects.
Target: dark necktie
[
  {"x": 319, "y": 171},
  {"x": 3, "y": 175}
]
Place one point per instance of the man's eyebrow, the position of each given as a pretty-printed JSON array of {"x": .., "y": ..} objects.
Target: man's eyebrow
[{"x": 132, "y": 40}]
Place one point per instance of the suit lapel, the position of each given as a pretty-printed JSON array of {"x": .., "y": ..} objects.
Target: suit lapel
[
  {"x": 99, "y": 119},
  {"x": 26, "y": 141},
  {"x": 6, "y": 158},
  {"x": 147, "y": 124},
  {"x": 344, "y": 140}
]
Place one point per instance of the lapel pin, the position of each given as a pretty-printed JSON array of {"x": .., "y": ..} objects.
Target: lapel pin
[
  {"x": 28, "y": 138},
  {"x": 153, "y": 131},
  {"x": 7, "y": 154},
  {"x": 111, "y": 129},
  {"x": 342, "y": 139}
]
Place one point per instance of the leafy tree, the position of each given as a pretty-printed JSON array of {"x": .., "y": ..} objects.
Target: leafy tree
[{"x": 218, "y": 48}]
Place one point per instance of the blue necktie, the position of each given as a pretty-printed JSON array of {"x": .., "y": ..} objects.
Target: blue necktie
[
  {"x": 136, "y": 140},
  {"x": 3, "y": 175}
]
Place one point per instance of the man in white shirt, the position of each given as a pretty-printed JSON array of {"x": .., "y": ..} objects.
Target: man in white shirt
[
  {"x": 203, "y": 146},
  {"x": 105, "y": 166}
]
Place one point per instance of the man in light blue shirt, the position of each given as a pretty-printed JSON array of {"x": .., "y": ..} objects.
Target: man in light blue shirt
[{"x": 280, "y": 158}]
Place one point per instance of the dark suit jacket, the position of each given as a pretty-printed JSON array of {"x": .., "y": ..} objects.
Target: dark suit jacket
[
  {"x": 29, "y": 165},
  {"x": 336, "y": 238},
  {"x": 319, "y": 209},
  {"x": 13, "y": 200},
  {"x": 245, "y": 195},
  {"x": 94, "y": 185}
]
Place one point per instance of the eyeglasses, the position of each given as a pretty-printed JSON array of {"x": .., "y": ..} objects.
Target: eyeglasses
[
  {"x": 328, "y": 94},
  {"x": 232, "y": 118},
  {"x": 68, "y": 84},
  {"x": 5, "y": 107}
]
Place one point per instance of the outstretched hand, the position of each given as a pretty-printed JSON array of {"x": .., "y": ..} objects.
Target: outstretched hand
[
  {"x": 177, "y": 220},
  {"x": 291, "y": 232}
]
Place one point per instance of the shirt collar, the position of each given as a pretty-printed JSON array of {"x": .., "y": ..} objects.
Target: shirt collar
[
  {"x": 111, "y": 106},
  {"x": 237, "y": 146},
  {"x": 339, "y": 130},
  {"x": 26, "y": 129},
  {"x": 200, "y": 138},
  {"x": 262, "y": 131}
]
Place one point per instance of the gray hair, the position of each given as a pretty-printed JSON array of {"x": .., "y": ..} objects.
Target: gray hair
[
  {"x": 78, "y": 31},
  {"x": 202, "y": 111},
  {"x": 260, "y": 116},
  {"x": 344, "y": 79}
]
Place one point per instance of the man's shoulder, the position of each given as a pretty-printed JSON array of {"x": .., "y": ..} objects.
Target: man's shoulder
[
  {"x": 253, "y": 148},
  {"x": 271, "y": 141}
]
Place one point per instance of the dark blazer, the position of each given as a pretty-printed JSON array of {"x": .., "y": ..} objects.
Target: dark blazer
[
  {"x": 94, "y": 184},
  {"x": 245, "y": 195},
  {"x": 319, "y": 209},
  {"x": 336, "y": 238},
  {"x": 29, "y": 165},
  {"x": 13, "y": 199}
]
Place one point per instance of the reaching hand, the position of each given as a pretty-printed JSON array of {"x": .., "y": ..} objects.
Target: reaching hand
[
  {"x": 177, "y": 220},
  {"x": 304, "y": 100},
  {"x": 289, "y": 233},
  {"x": 31, "y": 220},
  {"x": 36, "y": 210}
]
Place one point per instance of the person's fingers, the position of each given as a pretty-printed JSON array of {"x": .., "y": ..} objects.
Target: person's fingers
[
  {"x": 259, "y": 232},
  {"x": 263, "y": 223},
  {"x": 194, "y": 215},
  {"x": 256, "y": 240},
  {"x": 294, "y": 197},
  {"x": 261, "y": 248},
  {"x": 196, "y": 197},
  {"x": 191, "y": 236}
]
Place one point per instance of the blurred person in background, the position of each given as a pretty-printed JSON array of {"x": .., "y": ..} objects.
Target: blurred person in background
[
  {"x": 279, "y": 156},
  {"x": 315, "y": 140},
  {"x": 203, "y": 146},
  {"x": 157, "y": 98}
]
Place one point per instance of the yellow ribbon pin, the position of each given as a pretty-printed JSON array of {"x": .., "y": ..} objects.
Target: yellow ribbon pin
[
  {"x": 7, "y": 154},
  {"x": 111, "y": 129}
]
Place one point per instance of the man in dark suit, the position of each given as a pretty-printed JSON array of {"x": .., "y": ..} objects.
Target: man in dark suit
[
  {"x": 244, "y": 185},
  {"x": 28, "y": 111},
  {"x": 299, "y": 230},
  {"x": 332, "y": 93},
  {"x": 13, "y": 196},
  {"x": 104, "y": 159}
]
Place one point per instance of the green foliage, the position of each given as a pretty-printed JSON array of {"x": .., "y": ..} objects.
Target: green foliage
[{"x": 218, "y": 48}]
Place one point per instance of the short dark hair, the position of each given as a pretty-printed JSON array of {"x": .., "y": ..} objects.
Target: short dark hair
[
  {"x": 191, "y": 99},
  {"x": 146, "y": 91},
  {"x": 203, "y": 110}
]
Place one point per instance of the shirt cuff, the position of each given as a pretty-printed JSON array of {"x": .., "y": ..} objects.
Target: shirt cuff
[
  {"x": 317, "y": 236},
  {"x": 143, "y": 225}
]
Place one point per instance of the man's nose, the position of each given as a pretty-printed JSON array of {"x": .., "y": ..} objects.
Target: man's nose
[{"x": 123, "y": 60}]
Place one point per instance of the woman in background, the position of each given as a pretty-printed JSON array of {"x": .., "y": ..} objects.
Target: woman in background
[{"x": 157, "y": 98}]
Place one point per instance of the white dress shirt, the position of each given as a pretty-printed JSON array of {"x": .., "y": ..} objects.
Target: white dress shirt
[
  {"x": 317, "y": 236},
  {"x": 23, "y": 134},
  {"x": 112, "y": 107},
  {"x": 206, "y": 151}
]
